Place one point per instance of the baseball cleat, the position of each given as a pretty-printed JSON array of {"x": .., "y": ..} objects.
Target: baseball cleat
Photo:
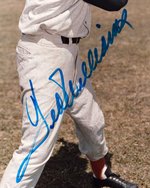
[{"x": 113, "y": 181}]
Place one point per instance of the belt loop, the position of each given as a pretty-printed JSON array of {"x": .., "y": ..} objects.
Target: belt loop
[
  {"x": 66, "y": 40},
  {"x": 76, "y": 40}
]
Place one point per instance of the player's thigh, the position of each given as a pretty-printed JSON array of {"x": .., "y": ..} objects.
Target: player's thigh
[{"x": 37, "y": 63}]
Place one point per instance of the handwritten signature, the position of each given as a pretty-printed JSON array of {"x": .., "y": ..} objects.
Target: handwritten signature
[{"x": 94, "y": 58}]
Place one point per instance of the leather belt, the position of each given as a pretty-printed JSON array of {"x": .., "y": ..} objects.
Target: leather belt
[{"x": 66, "y": 40}]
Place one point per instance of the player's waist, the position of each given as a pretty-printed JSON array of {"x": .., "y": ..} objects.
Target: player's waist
[{"x": 46, "y": 39}]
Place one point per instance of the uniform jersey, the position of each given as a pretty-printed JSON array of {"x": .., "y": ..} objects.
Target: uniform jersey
[{"x": 69, "y": 18}]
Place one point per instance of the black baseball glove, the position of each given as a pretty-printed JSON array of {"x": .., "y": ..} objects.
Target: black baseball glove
[{"x": 109, "y": 5}]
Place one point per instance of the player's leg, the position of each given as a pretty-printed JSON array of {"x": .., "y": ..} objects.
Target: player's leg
[
  {"x": 89, "y": 119},
  {"x": 36, "y": 62},
  {"x": 90, "y": 123}
]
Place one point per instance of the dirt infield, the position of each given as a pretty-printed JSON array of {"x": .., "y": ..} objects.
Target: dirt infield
[{"x": 122, "y": 85}]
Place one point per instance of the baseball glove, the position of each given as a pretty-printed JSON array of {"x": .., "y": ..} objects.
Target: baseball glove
[{"x": 109, "y": 5}]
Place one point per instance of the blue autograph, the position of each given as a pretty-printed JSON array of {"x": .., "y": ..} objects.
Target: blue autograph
[{"x": 63, "y": 103}]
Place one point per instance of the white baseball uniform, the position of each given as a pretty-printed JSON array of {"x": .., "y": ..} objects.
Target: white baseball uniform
[{"x": 40, "y": 52}]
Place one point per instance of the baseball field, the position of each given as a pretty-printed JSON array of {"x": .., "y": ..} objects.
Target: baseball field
[{"x": 122, "y": 86}]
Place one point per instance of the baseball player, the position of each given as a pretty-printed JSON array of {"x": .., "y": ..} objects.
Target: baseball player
[{"x": 47, "y": 62}]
